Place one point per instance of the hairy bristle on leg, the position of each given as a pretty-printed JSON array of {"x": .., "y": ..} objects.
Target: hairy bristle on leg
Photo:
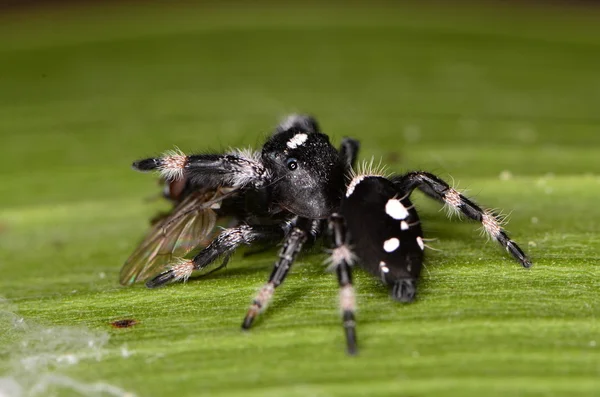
[
  {"x": 182, "y": 269},
  {"x": 438, "y": 189},
  {"x": 172, "y": 165}
]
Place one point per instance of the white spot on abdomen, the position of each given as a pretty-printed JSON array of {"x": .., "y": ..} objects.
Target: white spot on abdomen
[
  {"x": 421, "y": 244},
  {"x": 395, "y": 209},
  {"x": 383, "y": 267},
  {"x": 297, "y": 140},
  {"x": 403, "y": 225},
  {"x": 391, "y": 245}
]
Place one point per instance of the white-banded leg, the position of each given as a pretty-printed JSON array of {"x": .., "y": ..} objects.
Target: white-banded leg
[
  {"x": 341, "y": 260},
  {"x": 236, "y": 169},
  {"x": 438, "y": 189},
  {"x": 292, "y": 246},
  {"x": 222, "y": 246}
]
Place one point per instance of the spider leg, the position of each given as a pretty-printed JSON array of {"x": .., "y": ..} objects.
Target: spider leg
[
  {"x": 439, "y": 190},
  {"x": 292, "y": 246},
  {"x": 341, "y": 259},
  {"x": 237, "y": 169},
  {"x": 349, "y": 152},
  {"x": 314, "y": 232},
  {"x": 222, "y": 246}
]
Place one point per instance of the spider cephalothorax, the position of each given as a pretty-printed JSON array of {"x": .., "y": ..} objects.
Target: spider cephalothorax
[{"x": 294, "y": 189}]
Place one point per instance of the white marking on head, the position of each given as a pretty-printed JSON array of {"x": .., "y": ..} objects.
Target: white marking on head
[
  {"x": 421, "y": 243},
  {"x": 403, "y": 225},
  {"x": 297, "y": 140},
  {"x": 383, "y": 267},
  {"x": 391, "y": 244},
  {"x": 353, "y": 183},
  {"x": 395, "y": 209}
]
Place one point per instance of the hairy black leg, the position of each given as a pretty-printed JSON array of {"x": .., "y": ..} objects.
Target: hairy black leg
[
  {"x": 314, "y": 232},
  {"x": 349, "y": 152},
  {"x": 292, "y": 246},
  {"x": 438, "y": 189},
  {"x": 341, "y": 259},
  {"x": 237, "y": 169},
  {"x": 222, "y": 246}
]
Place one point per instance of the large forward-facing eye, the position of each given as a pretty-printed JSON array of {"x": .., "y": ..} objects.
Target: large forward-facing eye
[{"x": 292, "y": 164}]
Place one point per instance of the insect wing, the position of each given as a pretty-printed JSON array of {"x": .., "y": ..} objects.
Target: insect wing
[{"x": 174, "y": 236}]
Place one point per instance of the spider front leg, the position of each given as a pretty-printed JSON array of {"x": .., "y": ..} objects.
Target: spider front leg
[
  {"x": 292, "y": 246},
  {"x": 438, "y": 189},
  {"x": 341, "y": 259},
  {"x": 236, "y": 169},
  {"x": 222, "y": 246}
]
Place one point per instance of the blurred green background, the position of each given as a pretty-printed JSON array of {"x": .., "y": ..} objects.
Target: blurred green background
[{"x": 499, "y": 98}]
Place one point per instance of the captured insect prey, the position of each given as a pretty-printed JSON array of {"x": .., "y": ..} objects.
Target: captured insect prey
[{"x": 295, "y": 190}]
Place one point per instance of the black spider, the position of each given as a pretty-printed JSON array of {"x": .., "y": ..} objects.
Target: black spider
[{"x": 294, "y": 188}]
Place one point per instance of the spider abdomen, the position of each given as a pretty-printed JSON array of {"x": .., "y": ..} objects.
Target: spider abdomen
[{"x": 385, "y": 231}]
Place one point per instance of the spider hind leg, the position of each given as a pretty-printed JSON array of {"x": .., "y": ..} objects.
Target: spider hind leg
[{"x": 439, "y": 190}]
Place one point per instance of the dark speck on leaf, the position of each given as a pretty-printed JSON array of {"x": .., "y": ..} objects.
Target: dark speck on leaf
[{"x": 125, "y": 323}]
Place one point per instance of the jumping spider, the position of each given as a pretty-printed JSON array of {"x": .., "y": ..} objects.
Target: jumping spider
[{"x": 295, "y": 189}]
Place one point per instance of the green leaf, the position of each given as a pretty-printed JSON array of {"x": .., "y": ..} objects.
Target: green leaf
[{"x": 500, "y": 101}]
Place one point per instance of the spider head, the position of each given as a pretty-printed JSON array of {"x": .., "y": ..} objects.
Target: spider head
[{"x": 307, "y": 170}]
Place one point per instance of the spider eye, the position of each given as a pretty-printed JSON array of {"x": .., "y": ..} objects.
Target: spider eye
[{"x": 292, "y": 164}]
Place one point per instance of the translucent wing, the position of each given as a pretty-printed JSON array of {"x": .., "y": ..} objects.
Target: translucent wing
[{"x": 185, "y": 228}]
